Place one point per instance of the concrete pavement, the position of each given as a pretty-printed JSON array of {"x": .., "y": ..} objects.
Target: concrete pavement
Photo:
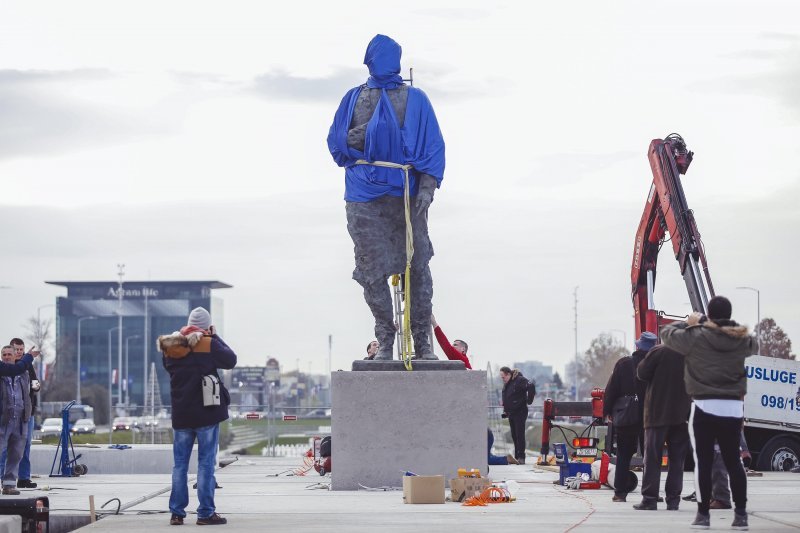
[{"x": 259, "y": 495}]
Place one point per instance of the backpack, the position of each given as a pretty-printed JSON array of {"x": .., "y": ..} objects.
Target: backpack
[
  {"x": 325, "y": 447},
  {"x": 530, "y": 391}
]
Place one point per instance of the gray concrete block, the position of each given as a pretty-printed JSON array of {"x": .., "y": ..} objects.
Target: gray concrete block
[
  {"x": 385, "y": 423},
  {"x": 398, "y": 366},
  {"x": 140, "y": 459}
]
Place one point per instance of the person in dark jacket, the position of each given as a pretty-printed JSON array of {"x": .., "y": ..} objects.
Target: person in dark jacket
[
  {"x": 515, "y": 408},
  {"x": 189, "y": 355},
  {"x": 623, "y": 382},
  {"x": 24, "y": 481},
  {"x": 666, "y": 410},
  {"x": 715, "y": 348}
]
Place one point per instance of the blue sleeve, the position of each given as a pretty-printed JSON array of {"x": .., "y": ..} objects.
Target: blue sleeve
[
  {"x": 422, "y": 136},
  {"x": 223, "y": 356},
  {"x": 20, "y": 367},
  {"x": 337, "y": 134}
]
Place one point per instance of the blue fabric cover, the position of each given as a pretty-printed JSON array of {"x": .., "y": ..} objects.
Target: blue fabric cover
[{"x": 418, "y": 143}]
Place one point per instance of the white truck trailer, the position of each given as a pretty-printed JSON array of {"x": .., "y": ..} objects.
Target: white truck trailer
[{"x": 772, "y": 412}]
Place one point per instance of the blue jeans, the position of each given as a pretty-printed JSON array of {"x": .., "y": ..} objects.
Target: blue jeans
[
  {"x": 25, "y": 462},
  {"x": 12, "y": 438},
  {"x": 207, "y": 439}
]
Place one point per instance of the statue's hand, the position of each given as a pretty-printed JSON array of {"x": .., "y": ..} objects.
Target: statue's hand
[{"x": 427, "y": 186}]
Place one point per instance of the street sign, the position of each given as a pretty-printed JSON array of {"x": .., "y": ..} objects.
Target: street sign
[{"x": 289, "y": 418}]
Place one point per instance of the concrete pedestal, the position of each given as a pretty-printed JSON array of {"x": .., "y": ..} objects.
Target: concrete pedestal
[{"x": 387, "y": 422}]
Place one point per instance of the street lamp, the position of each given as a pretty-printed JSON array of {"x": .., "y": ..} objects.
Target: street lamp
[
  {"x": 127, "y": 369},
  {"x": 624, "y": 336},
  {"x": 110, "y": 384},
  {"x": 78, "y": 387},
  {"x": 758, "y": 308}
]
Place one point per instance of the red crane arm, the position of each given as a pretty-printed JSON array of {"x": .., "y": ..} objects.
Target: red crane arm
[{"x": 666, "y": 211}]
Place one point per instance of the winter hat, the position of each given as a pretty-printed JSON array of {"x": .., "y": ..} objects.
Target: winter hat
[
  {"x": 719, "y": 308},
  {"x": 199, "y": 317},
  {"x": 646, "y": 341}
]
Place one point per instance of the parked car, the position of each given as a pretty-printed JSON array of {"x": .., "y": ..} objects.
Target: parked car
[
  {"x": 148, "y": 422},
  {"x": 122, "y": 423},
  {"x": 84, "y": 425},
  {"x": 317, "y": 413},
  {"x": 50, "y": 426}
]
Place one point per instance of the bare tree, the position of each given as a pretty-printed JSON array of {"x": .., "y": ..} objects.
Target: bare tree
[
  {"x": 39, "y": 332},
  {"x": 774, "y": 341},
  {"x": 599, "y": 360}
]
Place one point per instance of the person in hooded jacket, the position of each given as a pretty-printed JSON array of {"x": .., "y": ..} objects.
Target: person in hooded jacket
[
  {"x": 623, "y": 382},
  {"x": 193, "y": 352},
  {"x": 715, "y": 348},
  {"x": 515, "y": 407},
  {"x": 386, "y": 121}
]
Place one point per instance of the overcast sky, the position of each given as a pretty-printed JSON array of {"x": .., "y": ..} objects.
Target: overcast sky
[{"x": 186, "y": 139}]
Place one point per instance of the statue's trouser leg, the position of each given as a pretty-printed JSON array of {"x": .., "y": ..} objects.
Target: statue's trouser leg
[
  {"x": 379, "y": 300},
  {"x": 421, "y": 288}
]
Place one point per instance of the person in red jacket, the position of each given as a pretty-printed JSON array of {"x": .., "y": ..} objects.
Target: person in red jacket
[{"x": 456, "y": 351}]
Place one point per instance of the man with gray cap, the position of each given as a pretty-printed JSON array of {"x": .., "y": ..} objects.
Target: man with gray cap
[{"x": 192, "y": 356}]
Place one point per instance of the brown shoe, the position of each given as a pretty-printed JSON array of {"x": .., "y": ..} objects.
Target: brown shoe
[
  {"x": 618, "y": 498},
  {"x": 213, "y": 520},
  {"x": 512, "y": 460},
  {"x": 176, "y": 520},
  {"x": 10, "y": 491},
  {"x": 718, "y": 504}
]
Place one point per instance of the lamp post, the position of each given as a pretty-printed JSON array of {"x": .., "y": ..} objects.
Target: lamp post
[
  {"x": 78, "y": 387},
  {"x": 127, "y": 369},
  {"x": 110, "y": 385},
  {"x": 758, "y": 315},
  {"x": 624, "y": 336}
]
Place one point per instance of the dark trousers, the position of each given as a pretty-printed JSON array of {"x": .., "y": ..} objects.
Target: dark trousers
[
  {"x": 705, "y": 430},
  {"x": 677, "y": 440},
  {"x": 628, "y": 438},
  {"x": 517, "y": 425}
]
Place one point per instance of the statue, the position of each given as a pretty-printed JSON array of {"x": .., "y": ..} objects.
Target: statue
[{"x": 386, "y": 136}]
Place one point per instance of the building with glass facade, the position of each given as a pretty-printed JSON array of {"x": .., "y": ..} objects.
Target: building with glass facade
[{"x": 88, "y": 339}]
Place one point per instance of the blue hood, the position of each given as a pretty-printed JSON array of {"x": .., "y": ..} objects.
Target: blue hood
[{"x": 383, "y": 60}]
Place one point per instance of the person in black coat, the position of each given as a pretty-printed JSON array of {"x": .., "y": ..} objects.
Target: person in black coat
[
  {"x": 515, "y": 408},
  {"x": 191, "y": 355},
  {"x": 623, "y": 382}
]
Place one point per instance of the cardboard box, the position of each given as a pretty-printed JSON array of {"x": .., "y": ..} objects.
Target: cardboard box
[
  {"x": 462, "y": 488},
  {"x": 423, "y": 489}
]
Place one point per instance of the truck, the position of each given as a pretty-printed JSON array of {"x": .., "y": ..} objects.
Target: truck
[
  {"x": 772, "y": 403},
  {"x": 772, "y": 412}
]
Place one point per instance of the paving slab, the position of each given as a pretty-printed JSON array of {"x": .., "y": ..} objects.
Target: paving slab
[{"x": 263, "y": 494}]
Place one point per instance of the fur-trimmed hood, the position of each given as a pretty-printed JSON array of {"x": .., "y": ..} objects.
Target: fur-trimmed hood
[
  {"x": 176, "y": 345},
  {"x": 728, "y": 327}
]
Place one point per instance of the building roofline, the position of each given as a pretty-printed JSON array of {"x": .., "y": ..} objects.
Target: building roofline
[{"x": 213, "y": 284}]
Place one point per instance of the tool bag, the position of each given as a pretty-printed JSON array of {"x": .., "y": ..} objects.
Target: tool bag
[{"x": 211, "y": 390}]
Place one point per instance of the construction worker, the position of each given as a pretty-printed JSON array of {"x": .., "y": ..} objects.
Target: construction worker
[
  {"x": 456, "y": 351},
  {"x": 386, "y": 122},
  {"x": 372, "y": 350}
]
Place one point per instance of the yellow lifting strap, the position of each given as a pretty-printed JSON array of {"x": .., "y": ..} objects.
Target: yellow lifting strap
[{"x": 406, "y": 331}]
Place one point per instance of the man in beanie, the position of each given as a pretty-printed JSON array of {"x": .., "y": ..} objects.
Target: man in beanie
[
  {"x": 191, "y": 354},
  {"x": 623, "y": 382},
  {"x": 384, "y": 121},
  {"x": 715, "y": 349}
]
